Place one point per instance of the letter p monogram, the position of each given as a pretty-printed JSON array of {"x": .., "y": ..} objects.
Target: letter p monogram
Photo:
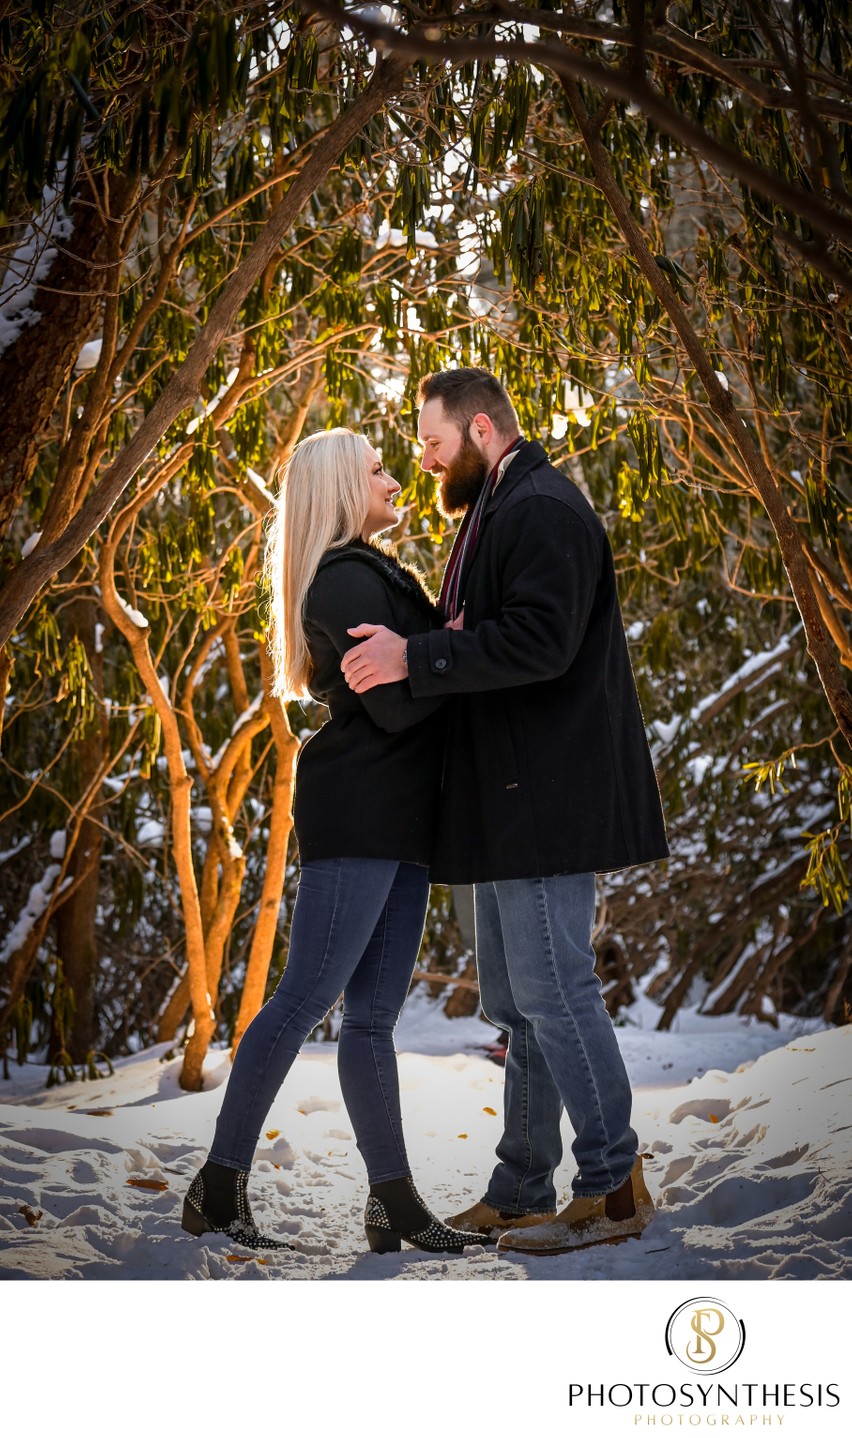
[{"x": 703, "y": 1349}]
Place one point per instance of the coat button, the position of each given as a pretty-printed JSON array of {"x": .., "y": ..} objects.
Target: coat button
[{"x": 440, "y": 663}]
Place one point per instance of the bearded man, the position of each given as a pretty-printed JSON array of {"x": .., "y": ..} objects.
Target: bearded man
[{"x": 548, "y": 779}]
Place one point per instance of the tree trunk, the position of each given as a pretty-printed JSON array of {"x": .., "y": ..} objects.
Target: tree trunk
[
  {"x": 76, "y": 935},
  {"x": 7, "y": 662},
  {"x": 216, "y": 937},
  {"x": 177, "y": 1003},
  {"x": 280, "y": 825},
  {"x": 17, "y": 969},
  {"x": 38, "y": 364},
  {"x": 836, "y": 991},
  {"x": 680, "y": 991},
  {"x": 463, "y": 1000},
  {"x": 613, "y": 969},
  {"x": 204, "y": 1023}
]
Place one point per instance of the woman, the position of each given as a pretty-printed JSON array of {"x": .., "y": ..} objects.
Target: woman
[{"x": 366, "y": 789}]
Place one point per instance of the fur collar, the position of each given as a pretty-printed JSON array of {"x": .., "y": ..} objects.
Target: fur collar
[{"x": 402, "y": 577}]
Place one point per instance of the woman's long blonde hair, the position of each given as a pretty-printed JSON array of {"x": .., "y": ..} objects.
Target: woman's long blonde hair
[{"x": 323, "y": 498}]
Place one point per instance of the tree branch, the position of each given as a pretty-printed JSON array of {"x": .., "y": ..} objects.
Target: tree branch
[
  {"x": 39, "y": 567},
  {"x": 569, "y": 64}
]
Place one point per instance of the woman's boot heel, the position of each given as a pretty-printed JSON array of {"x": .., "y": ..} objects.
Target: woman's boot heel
[
  {"x": 381, "y": 1241},
  {"x": 395, "y": 1211},
  {"x": 192, "y": 1221}
]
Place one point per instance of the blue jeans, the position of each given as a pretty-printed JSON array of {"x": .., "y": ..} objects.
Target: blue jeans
[
  {"x": 356, "y": 929},
  {"x": 537, "y": 981}
]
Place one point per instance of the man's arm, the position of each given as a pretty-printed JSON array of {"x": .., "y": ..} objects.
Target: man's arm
[
  {"x": 550, "y": 564},
  {"x": 384, "y": 659}
]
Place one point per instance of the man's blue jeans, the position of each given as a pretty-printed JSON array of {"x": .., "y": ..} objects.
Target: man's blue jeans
[
  {"x": 537, "y": 981},
  {"x": 356, "y": 929}
]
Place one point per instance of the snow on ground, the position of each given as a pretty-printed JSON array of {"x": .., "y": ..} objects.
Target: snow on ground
[{"x": 748, "y": 1131}]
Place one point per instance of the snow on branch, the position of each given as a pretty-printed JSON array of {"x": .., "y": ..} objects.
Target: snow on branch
[
  {"x": 38, "y": 899},
  {"x": 89, "y": 356},
  {"x": 30, "y": 265},
  {"x": 756, "y": 668},
  {"x": 133, "y": 614},
  {"x": 260, "y": 485}
]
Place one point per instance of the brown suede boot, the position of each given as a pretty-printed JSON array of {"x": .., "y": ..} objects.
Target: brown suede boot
[
  {"x": 608, "y": 1218},
  {"x": 482, "y": 1218}
]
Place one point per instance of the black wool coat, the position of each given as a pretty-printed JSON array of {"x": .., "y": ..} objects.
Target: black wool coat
[
  {"x": 368, "y": 781},
  {"x": 548, "y": 769}
]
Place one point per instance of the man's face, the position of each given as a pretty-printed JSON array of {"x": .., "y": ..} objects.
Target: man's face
[{"x": 453, "y": 457}]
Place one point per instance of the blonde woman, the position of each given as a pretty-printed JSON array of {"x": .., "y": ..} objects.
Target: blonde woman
[{"x": 367, "y": 785}]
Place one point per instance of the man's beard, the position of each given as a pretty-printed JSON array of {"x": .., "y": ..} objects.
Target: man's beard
[{"x": 462, "y": 480}]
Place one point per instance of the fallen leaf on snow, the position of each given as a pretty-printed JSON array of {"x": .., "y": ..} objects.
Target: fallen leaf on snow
[{"x": 154, "y": 1183}]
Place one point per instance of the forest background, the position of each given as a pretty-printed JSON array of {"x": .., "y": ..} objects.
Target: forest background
[{"x": 225, "y": 226}]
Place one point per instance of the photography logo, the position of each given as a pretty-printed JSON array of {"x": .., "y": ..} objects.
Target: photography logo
[{"x": 705, "y": 1335}]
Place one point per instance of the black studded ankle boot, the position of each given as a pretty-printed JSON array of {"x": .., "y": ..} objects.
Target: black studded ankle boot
[
  {"x": 395, "y": 1211},
  {"x": 217, "y": 1202}
]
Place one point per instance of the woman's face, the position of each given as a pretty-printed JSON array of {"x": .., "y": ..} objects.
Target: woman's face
[{"x": 381, "y": 514}]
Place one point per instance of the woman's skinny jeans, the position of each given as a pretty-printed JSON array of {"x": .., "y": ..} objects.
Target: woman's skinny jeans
[{"x": 356, "y": 929}]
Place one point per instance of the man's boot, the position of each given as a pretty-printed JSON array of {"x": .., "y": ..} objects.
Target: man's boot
[
  {"x": 482, "y": 1218},
  {"x": 609, "y": 1218}
]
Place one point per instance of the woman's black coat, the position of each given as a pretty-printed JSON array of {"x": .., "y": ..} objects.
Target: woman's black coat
[
  {"x": 548, "y": 769},
  {"x": 367, "y": 783}
]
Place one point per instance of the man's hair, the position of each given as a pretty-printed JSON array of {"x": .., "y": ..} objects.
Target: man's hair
[{"x": 466, "y": 392}]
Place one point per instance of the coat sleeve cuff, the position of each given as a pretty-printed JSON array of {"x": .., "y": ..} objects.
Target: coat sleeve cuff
[{"x": 429, "y": 662}]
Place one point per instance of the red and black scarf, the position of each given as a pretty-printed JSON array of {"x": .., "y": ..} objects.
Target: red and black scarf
[{"x": 464, "y": 546}]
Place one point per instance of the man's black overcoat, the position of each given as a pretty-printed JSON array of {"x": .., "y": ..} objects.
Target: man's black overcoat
[{"x": 547, "y": 769}]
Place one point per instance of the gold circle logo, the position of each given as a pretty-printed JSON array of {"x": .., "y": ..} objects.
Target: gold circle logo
[{"x": 705, "y": 1335}]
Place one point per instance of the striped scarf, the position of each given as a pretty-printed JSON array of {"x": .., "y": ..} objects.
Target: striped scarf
[{"x": 452, "y": 593}]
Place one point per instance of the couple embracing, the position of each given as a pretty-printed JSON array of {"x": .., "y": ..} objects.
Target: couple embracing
[{"x": 495, "y": 739}]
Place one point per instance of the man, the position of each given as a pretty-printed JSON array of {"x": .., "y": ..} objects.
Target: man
[{"x": 548, "y": 779}]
